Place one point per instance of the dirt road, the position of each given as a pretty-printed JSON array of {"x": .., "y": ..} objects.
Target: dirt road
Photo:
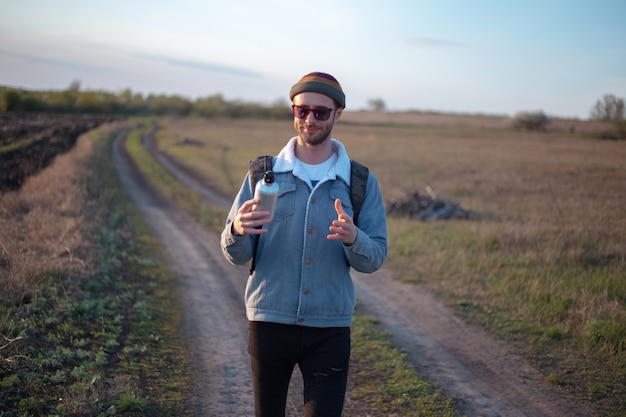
[{"x": 486, "y": 378}]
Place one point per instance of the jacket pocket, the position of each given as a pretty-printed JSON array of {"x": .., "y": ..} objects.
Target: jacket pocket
[{"x": 285, "y": 204}]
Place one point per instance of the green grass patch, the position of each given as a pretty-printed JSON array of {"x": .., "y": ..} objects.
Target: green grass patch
[
  {"x": 564, "y": 313},
  {"x": 382, "y": 377}
]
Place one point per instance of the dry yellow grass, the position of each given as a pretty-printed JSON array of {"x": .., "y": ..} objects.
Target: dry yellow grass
[
  {"x": 42, "y": 226},
  {"x": 554, "y": 187},
  {"x": 467, "y": 120},
  {"x": 557, "y": 195},
  {"x": 77, "y": 269},
  {"x": 549, "y": 270}
]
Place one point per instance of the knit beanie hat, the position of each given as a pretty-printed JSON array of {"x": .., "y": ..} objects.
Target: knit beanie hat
[{"x": 320, "y": 82}]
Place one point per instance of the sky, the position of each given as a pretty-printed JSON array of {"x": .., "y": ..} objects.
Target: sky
[{"x": 455, "y": 56}]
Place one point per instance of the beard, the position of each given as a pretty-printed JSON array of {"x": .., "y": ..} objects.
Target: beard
[{"x": 314, "y": 134}]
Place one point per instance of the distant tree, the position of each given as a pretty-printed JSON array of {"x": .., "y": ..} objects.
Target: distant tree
[
  {"x": 611, "y": 108},
  {"x": 213, "y": 106},
  {"x": 31, "y": 101},
  {"x": 88, "y": 101},
  {"x": 124, "y": 97},
  {"x": 137, "y": 104},
  {"x": 126, "y": 102},
  {"x": 280, "y": 109},
  {"x": 376, "y": 104},
  {"x": 61, "y": 101},
  {"x": 9, "y": 99},
  {"x": 608, "y": 107},
  {"x": 531, "y": 121},
  {"x": 74, "y": 86},
  {"x": 168, "y": 105}
]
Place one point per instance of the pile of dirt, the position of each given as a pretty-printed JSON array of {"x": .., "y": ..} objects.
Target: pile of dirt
[{"x": 428, "y": 207}]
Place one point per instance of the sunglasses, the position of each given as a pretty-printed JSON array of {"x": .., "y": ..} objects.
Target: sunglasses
[{"x": 320, "y": 113}]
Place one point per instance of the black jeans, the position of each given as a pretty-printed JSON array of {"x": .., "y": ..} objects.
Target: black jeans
[{"x": 323, "y": 355}]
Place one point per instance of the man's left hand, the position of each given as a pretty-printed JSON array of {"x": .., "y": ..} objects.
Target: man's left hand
[{"x": 343, "y": 229}]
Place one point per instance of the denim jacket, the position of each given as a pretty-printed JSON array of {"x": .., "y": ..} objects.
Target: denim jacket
[{"x": 301, "y": 277}]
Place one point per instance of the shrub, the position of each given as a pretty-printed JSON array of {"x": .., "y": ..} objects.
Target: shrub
[{"x": 531, "y": 121}]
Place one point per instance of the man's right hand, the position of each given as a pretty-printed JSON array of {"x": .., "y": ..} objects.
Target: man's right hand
[{"x": 250, "y": 222}]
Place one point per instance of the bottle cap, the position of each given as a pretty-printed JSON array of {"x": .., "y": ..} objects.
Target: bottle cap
[{"x": 268, "y": 177}]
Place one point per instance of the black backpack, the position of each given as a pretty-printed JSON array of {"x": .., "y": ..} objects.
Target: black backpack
[{"x": 358, "y": 183}]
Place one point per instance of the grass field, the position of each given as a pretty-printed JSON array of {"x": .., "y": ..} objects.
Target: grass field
[
  {"x": 546, "y": 271},
  {"x": 88, "y": 311},
  {"x": 88, "y": 320}
]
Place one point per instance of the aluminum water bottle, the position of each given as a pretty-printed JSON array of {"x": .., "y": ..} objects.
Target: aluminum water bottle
[{"x": 266, "y": 191}]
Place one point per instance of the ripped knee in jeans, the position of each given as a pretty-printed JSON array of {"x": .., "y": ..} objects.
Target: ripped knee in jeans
[{"x": 330, "y": 373}]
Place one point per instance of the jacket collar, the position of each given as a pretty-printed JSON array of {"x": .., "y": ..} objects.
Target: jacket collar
[{"x": 286, "y": 161}]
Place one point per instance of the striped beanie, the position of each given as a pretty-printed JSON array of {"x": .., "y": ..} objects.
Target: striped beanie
[{"x": 320, "y": 82}]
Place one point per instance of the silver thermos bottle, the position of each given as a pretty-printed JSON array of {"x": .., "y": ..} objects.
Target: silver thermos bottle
[{"x": 266, "y": 191}]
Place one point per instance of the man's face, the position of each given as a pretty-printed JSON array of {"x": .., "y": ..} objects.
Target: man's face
[{"x": 310, "y": 130}]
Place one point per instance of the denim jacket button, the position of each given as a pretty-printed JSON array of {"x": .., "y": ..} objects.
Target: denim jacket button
[
  {"x": 307, "y": 292},
  {"x": 300, "y": 319},
  {"x": 309, "y": 261}
]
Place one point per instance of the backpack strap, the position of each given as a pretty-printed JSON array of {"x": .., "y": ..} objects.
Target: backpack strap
[
  {"x": 359, "y": 174},
  {"x": 257, "y": 168}
]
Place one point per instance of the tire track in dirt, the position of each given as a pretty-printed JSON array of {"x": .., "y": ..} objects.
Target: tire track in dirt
[
  {"x": 482, "y": 374},
  {"x": 212, "y": 294}
]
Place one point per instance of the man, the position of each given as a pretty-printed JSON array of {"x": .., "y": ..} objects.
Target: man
[{"x": 300, "y": 298}]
